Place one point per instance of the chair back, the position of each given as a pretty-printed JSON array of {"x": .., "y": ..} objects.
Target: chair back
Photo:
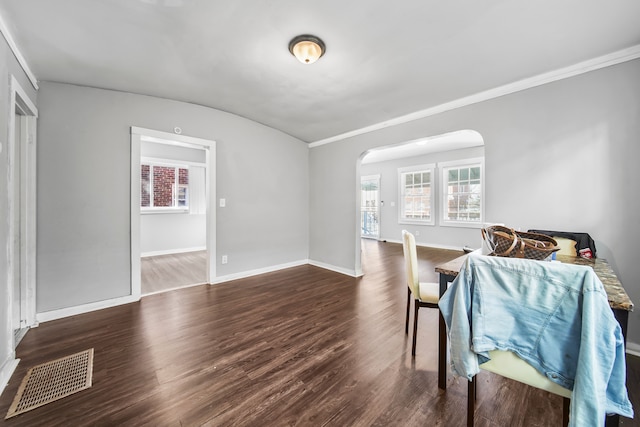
[
  {"x": 411, "y": 262},
  {"x": 567, "y": 246}
]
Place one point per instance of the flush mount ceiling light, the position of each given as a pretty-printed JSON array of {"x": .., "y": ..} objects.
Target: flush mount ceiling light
[{"x": 307, "y": 48}]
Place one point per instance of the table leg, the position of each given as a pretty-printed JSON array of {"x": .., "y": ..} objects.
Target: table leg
[
  {"x": 622, "y": 316},
  {"x": 442, "y": 354},
  {"x": 442, "y": 340},
  {"x": 612, "y": 420}
]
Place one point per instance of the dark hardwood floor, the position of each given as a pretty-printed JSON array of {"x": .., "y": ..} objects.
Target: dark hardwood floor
[{"x": 302, "y": 346}]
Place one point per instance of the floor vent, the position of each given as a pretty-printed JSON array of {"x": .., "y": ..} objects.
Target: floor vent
[{"x": 53, "y": 380}]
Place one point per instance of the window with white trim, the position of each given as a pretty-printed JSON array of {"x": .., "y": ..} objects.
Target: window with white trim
[
  {"x": 164, "y": 187},
  {"x": 462, "y": 184},
  {"x": 416, "y": 195}
]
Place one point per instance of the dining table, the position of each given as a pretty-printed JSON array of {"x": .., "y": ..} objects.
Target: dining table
[{"x": 619, "y": 301}]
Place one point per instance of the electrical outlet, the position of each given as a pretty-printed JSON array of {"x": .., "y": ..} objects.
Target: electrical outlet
[{"x": 224, "y": 259}]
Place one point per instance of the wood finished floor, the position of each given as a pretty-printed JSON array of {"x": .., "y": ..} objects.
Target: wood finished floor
[
  {"x": 164, "y": 272},
  {"x": 303, "y": 346}
]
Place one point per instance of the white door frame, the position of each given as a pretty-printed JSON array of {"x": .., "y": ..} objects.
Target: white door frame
[
  {"x": 137, "y": 136},
  {"x": 25, "y": 172}
]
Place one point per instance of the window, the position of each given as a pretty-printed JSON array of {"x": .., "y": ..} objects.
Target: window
[
  {"x": 462, "y": 193},
  {"x": 164, "y": 187},
  {"x": 183, "y": 196},
  {"x": 416, "y": 201}
]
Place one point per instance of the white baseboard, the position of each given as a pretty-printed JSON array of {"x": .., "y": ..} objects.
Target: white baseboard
[
  {"x": 99, "y": 305},
  {"x": 85, "y": 308},
  {"x": 249, "y": 273},
  {"x": 175, "y": 289},
  {"x": 633, "y": 348},
  {"x": 337, "y": 269},
  {"x": 173, "y": 251},
  {"x": 8, "y": 367}
]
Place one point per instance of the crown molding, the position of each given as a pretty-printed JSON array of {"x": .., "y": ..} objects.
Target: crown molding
[
  {"x": 604, "y": 61},
  {"x": 14, "y": 48}
]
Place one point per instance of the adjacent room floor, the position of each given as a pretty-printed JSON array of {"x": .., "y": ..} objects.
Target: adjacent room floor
[{"x": 164, "y": 272}]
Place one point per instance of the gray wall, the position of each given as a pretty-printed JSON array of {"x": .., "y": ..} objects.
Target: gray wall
[
  {"x": 559, "y": 156},
  {"x": 84, "y": 190},
  {"x": 8, "y": 67},
  {"x": 430, "y": 235}
]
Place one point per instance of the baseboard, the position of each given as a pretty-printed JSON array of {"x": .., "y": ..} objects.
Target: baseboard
[
  {"x": 249, "y": 273},
  {"x": 174, "y": 289},
  {"x": 428, "y": 245},
  {"x": 85, "y": 308},
  {"x": 633, "y": 348},
  {"x": 8, "y": 367},
  {"x": 172, "y": 251},
  {"x": 337, "y": 269},
  {"x": 99, "y": 305}
]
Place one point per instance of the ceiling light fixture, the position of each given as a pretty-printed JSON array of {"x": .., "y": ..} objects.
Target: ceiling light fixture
[{"x": 307, "y": 48}]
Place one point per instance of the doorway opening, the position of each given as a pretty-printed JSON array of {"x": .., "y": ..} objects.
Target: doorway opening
[
  {"x": 370, "y": 206},
  {"x": 21, "y": 270},
  {"x": 426, "y": 211},
  {"x": 172, "y": 212}
]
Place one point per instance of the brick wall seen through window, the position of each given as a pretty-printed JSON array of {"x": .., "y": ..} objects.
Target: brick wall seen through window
[{"x": 165, "y": 191}]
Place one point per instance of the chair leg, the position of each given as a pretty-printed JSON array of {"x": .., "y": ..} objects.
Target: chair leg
[
  {"x": 565, "y": 410},
  {"x": 611, "y": 420},
  {"x": 442, "y": 353},
  {"x": 415, "y": 326},
  {"x": 471, "y": 401},
  {"x": 406, "y": 323}
]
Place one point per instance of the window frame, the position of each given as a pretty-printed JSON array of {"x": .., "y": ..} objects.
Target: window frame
[
  {"x": 444, "y": 168},
  {"x": 151, "y": 162},
  {"x": 422, "y": 168},
  {"x": 186, "y": 195}
]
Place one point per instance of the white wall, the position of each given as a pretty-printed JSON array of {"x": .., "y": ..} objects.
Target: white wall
[
  {"x": 172, "y": 233},
  {"x": 8, "y": 67},
  {"x": 165, "y": 151},
  {"x": 429, "y": 235},
  {"x": 84, "y": 190},
  {"x": 559, "y": 156}
]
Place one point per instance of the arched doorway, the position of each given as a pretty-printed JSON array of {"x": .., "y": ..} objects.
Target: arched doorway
[{"x": 422, "y": 163}]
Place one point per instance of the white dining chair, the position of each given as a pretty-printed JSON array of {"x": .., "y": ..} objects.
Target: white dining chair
[{"x": 424, "y": 294}]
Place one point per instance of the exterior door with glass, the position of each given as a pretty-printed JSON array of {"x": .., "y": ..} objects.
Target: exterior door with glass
[{"x": 370, "y": 206}]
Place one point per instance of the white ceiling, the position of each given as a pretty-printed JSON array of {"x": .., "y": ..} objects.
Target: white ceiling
[{"x": 384, "y": 59}]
